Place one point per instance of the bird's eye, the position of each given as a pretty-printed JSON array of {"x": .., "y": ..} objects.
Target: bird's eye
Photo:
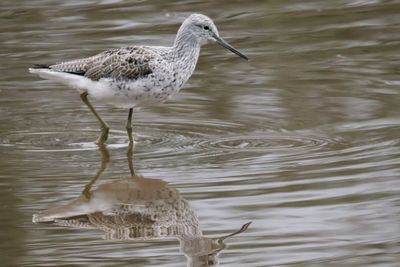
[{"x": 206, "y": 28}]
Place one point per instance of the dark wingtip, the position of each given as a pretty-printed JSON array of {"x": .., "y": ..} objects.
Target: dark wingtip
[
  {"x": 41, "y": 66},
  {"x": 48, "y": 66}
]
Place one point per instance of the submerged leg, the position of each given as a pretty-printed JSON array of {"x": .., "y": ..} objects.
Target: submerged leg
[
  {"x": 129, "y": 125},
  {"x": 104, "y": 127}
]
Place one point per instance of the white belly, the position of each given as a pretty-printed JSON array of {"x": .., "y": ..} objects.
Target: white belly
[{"x": 128, "y": 94}]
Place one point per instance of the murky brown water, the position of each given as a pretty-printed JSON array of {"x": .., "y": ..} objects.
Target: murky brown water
[{"x": 302, "y": 140}]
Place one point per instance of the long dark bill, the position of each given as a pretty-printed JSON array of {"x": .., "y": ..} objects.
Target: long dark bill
[{"x": 221, "y": 41}]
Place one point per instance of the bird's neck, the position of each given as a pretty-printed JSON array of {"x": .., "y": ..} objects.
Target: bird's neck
[
  {"x": 186, "y": 50},
  {"x": 186, "y": 45}
]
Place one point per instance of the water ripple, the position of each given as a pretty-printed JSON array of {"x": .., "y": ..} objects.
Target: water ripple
[{"x": 302, "y": 139}]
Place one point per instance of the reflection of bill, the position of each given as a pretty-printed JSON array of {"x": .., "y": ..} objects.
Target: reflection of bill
[{"x": 138, "y": 208}]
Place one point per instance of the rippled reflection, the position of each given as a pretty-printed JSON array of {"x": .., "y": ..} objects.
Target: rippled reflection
[{"x": 138, "y": 209}]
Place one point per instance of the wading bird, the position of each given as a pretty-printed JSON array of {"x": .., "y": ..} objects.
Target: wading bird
[{"x": 136, "y": 76}]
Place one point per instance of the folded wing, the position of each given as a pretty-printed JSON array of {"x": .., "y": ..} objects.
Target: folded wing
[{"x": 128, "y": 63}]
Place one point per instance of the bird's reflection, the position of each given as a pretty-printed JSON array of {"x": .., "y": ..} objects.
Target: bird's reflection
[{"x": 138, "y": 208}]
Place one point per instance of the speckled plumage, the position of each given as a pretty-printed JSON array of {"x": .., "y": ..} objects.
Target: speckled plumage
[{"x": 137, "y": 76}]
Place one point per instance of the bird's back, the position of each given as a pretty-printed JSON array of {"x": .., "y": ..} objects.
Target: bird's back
[{"x": 127, "y": 63}]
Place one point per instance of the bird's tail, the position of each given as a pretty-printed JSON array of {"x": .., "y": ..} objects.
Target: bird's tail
[
  {"x": 41, "y": 66},
  {"x": 76, "y": 81}
]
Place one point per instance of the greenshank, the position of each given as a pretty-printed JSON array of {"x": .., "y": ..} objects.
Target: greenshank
[{"x": 136, "y": 76}]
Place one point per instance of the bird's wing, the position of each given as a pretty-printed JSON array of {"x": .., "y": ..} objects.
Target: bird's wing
[
  {"x": 120, "y": 64},
  {"x": 77, "y": 66}
]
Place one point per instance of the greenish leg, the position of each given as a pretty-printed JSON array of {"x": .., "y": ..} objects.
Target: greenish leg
[
  {"x": 129, "y": 125},
  {"x": 104, "y": 126}
]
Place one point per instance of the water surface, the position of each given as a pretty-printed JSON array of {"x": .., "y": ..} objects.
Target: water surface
[{"x": 302, "y": 140}]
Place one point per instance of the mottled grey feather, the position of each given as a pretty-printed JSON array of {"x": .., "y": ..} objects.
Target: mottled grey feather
[
  {"x": 120, "y": 64},
  {"x": 75, "y": 66}
]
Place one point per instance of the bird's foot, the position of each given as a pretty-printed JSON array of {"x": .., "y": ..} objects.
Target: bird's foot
[{"x": 86, "y": 192}]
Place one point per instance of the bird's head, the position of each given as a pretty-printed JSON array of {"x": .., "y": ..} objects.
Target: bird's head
[{"x": 203, "y": 29}]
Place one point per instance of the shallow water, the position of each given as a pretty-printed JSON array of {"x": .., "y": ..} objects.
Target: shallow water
[{"x": 302, "y": 140}]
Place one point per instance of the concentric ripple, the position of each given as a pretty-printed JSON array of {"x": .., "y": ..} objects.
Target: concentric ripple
[
  {"x": 273, "y": 141},
  {"x": 210, "y": 142},
  {"x": 164, "y": 140}
]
